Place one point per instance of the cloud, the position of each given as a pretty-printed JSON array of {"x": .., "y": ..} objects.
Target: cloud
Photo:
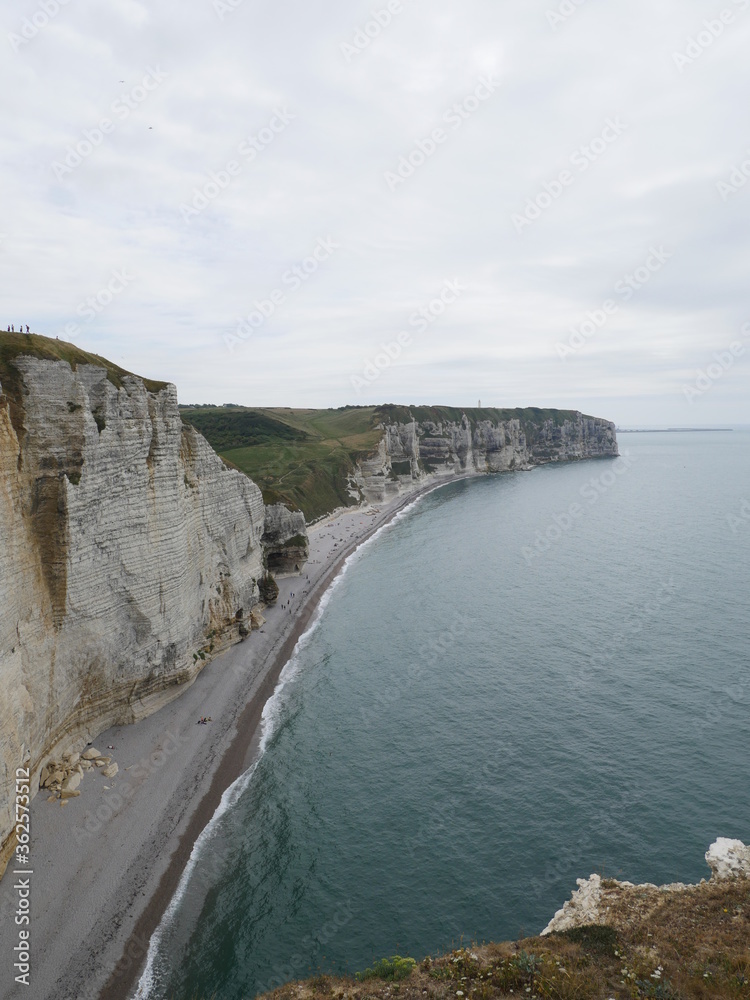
[{"x": 190, "y": 88}]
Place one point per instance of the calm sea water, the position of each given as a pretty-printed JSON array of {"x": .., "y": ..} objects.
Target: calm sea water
[{"x": 478, "y": 720}]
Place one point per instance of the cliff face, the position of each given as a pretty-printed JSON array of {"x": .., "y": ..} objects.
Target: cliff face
[
  {"x": 130, "y": 553},
  {"x": 412, "y": 452},
  {"x": 285, "y": 540}
]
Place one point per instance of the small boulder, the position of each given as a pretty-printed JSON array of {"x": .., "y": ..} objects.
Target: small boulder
[
  {"x": 72, "y": 781},
  {"x": 728, "y": 859},
  {"x": 91, "y": 754},
  {"x": 71, "y": 758},
  {"x": 69, "y": 793},
  {"x": 110, "y": 771}
]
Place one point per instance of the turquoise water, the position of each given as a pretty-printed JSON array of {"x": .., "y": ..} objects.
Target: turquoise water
[{"x": 476, "y": 722}]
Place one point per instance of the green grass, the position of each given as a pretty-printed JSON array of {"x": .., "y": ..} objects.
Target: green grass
[
  {"x": 692, "y": 945},
  {"x": 301, "y": 458},
  {"x": 12, "y": 345},
  {"x": 390, "y": 969},
  {"x": 240, "y": 428}
]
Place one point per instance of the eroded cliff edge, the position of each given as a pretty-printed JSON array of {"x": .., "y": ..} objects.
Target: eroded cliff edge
[
  {"x": 611, "y": 903},
  {"x": 130, "y": 555},
  {"x": 439, "y": 442},
  {"x": 612, "y": 940}
]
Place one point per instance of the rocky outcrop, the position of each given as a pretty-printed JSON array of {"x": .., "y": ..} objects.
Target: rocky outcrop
[
  {"x": 285, "y": 540},
  {"x": 130, "y": 555},
  {"x": 609, "y": 902},
  {"x": 62, "y": 778},
  {"x": 728, "y": 859},
  {"x": 428, "y": 446}
]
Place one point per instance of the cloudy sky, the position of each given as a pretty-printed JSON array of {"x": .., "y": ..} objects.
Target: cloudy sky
[{"x": 519, "y": 201}]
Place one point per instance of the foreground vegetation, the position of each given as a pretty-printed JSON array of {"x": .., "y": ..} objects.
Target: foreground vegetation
[{"x": 693, "y": 945}]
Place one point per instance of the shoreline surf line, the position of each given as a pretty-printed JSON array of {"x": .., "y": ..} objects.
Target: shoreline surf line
[{"x": 234, "y": 763}]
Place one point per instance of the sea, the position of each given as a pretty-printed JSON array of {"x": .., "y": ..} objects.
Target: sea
[{"x": 521, "y": 680}]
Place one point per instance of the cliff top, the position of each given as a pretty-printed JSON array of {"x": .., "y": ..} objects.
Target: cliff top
[
  {"x": 14, "y": 345},
  {"x": 299, "y": 457},
  {"x": 690, "y": 945},
  {"x": 391, "y": 413},
  {"x": 304, "y": 458}
]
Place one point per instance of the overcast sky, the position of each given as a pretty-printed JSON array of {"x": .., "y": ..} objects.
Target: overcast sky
[{"x": 174, "y": 162}]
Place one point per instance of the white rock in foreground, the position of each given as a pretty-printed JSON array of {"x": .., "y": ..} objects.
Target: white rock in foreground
[
  {"x": 592, "y": 901},
  {"x": 728, "y": 859}
]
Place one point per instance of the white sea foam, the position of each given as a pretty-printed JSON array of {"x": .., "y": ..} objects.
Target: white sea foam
[
  {"x": 272, "y": 713},
  {"x": 270, "y": 718}
]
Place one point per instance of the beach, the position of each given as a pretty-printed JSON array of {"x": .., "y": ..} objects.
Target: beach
[{"x": 105, "y": 866}]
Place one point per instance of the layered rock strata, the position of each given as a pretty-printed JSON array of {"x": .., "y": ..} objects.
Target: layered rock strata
[
  {"x": 412, "y": 453},
  {"x": 285, "y": 541},
  {"x": 130, "y": 555}
]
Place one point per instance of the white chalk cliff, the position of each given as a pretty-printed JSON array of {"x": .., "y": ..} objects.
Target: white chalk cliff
[
  {"x": 130, "y": 555},
  {"x": 413, "y": 452}
]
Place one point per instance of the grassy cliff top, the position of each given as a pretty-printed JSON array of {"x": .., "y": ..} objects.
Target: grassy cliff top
[
  {"x": 692, "y": 945},
  {"x": 303, "y": 458},
  {"x": 391, "y": 413},
  {"x": 298, "y": 457},
  {"x": 14, "y": 345}
]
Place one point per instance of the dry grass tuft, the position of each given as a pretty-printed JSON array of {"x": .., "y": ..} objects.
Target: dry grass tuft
[{"x": 691, "y": 945}]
